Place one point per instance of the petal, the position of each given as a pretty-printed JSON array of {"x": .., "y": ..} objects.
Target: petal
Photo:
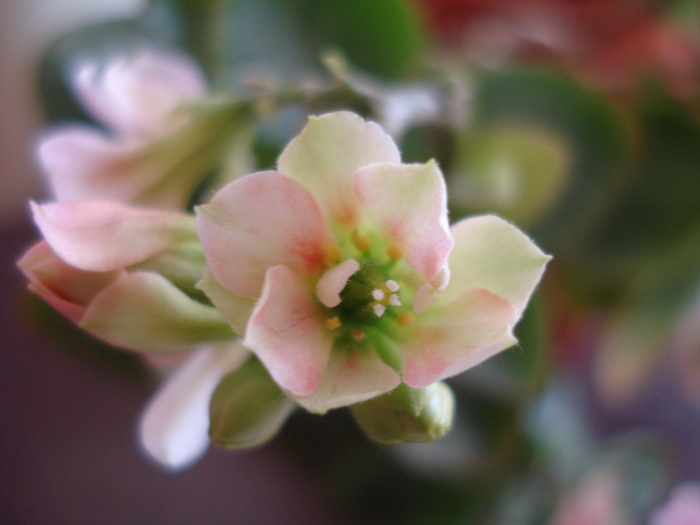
[
  {"x": 174, "y": 426},
  {"x": 332, "y": 282},
  {"x": 327, "y": 153},
  {"x": 144, "y": 311},
  {"x": 104, "y": 236},
  {"x": 82, "y": 163},
  {"x": 236, "y": 310},
  {"x": 408, "y": 203},
  {"x": 257, "y": 222},
  {"x": 135, "y": 95},
  {"x": 67, "y": 289},
  {"x": 493, "y": 254},
  {"x": 287, "y": 331},
  {"x": 456, "y": 335},
  {"x": 354, "y": 374}
]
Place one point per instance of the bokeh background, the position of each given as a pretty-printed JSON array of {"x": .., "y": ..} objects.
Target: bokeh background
[{"x": 577, "y": 120}]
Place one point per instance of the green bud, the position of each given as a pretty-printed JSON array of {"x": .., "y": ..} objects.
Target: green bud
[
  {"x": 406, "y": 414},
  {"x": 247, "y": 408}
]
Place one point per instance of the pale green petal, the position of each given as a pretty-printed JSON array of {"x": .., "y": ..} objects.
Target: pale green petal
[
  {"x": 327, "y": 153},
  {"x": 236, "y": 310},
  {"x": 144, "y": 311},
  {"x": 492, "y": 254}
]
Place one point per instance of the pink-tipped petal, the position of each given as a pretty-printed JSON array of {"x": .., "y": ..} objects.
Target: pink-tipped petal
[
  {"x": 493, "y": 254},
  {"x": 327, "y": 153},
  {"x": 408, "y": 203},
  {"x": 82, "y": 163},
  {"x": 143, "y": 311},
  {"x": 353, "y": 375},
  {"x": 103, "y": 236},
  {"x": 136, "y": 95},
  {"x": 455, "y": 336},
  {"x": 175, "y": 424},
  {"x": 332, "y": 282},
  {"x": 66, "y": 288},
  {"x": 257, "y": 222},
  {"x": 288, "y": 332}
]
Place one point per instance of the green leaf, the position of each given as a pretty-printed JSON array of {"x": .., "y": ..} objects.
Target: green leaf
[
  {"x": 585, "y": 122},
  {"x": 284, "y": 39}
]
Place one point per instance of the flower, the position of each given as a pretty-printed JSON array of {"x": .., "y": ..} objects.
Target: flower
[
  {"x": 341, "y": 271},
  {"x": 136, "y": 98},
  {"x": 125, "y": 275}
]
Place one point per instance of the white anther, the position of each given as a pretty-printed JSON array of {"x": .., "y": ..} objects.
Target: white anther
[
  {"x": 379, "y": 309},
  {"x": 378, "y": 294},
  {"x": 392, "y": 285},
  {"x": 394, "y": 300}
]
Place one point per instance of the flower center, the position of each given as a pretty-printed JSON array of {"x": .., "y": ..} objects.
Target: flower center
[{"x": 367, "y": 296}]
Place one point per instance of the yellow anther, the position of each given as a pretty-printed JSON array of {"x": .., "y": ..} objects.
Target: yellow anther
[
  {"x": 361, "y": 242},
  {"x": 394, "y": 252},
  {"x": 331, "y": 253},
  {"x": 405, "y": 318},
  {"x": 358, "y": 334},
  {"x": 332, "y": 323}
]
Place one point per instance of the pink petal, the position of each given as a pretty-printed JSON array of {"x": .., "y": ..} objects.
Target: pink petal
[
  {"x": 332, "y": 282},
  {"x": 493, "y": 254},
  {"x": 175, "y": 424},
  {"x": 257, "y": 222},
  {"x": 67, "y": 289},
  {"x": 408, "y": 203},
  {"x": 455, "y": 336},
  {"x": 353, "y": 375},
  {"x": 327, "y": 153},
  {"x": 288, "y": 332},
  {"x": 135, "y": 95},
  {"x": 105, "y": 236},
  {"x": 82, "y": 163}
]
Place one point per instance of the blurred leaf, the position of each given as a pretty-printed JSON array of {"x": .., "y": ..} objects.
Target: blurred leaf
[
  {"x": 282, "y": 40},
  {"x": 518, "y": 172},
  {"x": 658, "y": 204},
  {"x": 584, "y": 121}
]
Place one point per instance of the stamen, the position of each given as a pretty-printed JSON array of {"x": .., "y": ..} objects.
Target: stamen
[
  {"x": 377, "y": 294},
  {"x": 392, "y": 285},
  {"x": 331, "y": 253},
  {"x": 405, "y": 318},
  {"x": 332, "y": 323},
  {"x": 379, "y": 309},
  {"x": 361, "y": 242},
  {"x": 394, "y": 252},
  {"x": 394, "y": 300},
  {"x": 358, "y": 334}
]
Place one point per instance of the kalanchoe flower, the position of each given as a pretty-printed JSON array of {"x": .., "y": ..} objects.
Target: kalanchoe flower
[
  {"x": 125, "y": 275},
  {"x": 138, "y": 99},
  {"x": 340, "y": 272}
]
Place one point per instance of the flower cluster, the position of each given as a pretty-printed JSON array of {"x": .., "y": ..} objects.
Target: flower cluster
[{"x": 335, "y": 280}]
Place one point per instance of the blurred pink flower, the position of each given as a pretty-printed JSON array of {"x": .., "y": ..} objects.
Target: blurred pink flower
[
  {"x": 136, "y": 98},
  {"x": 682, "y": 507}
]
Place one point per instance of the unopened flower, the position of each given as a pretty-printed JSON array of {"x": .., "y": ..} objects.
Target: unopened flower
[
  {"x": 147, "y": 155},
  {"x": 340, "y": 272},
  {"x": 125, "y": 275}
]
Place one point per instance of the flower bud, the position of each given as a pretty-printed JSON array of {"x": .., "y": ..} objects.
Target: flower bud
[
  {"x": 407, "y": 414},
  {"x": 247, "y": 408}
]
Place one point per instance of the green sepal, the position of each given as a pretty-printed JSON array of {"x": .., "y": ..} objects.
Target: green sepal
[
  {"x": 247, "y": 408},
  {"x": 419, "y": 415}
]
